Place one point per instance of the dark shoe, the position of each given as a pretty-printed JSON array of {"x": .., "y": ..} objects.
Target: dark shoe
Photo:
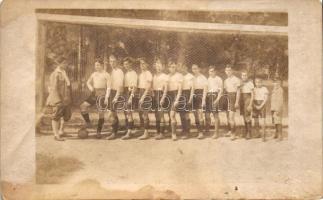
[{"x": 98, "y": 135}]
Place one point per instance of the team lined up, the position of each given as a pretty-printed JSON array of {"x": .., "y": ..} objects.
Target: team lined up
[{"x": 177, "y": 92}]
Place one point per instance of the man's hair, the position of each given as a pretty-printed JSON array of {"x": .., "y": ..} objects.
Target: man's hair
[
  {"x": 228, "y": 67},
  {"x": 212, "y": 67},
  {"x": 128, "y": 59},
  {"x": 196, "y": 65},
  {"x": 142, "y": 59},
  {"x": 98, "y": 60},
  {"x": 171, "y": 61}
]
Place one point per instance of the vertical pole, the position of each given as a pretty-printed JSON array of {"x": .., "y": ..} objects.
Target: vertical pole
[
  {"x": 79, "y": 63},
  {"x": 40, "y": 65}
]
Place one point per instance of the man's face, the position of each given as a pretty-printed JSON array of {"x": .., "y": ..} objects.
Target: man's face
[
  {"x": 183, "y": 68},
  {"x": 143, "y": 65},
  {"x": 172, "y": 68},
  {"x": 98, "y": 66},
  {"x": 258, "y": 82},
  {"x": 158, "y": 66},
  {"x": 195, "y": 69},
  {"x": 228, "y": 71},
  {"x": 127, "y": 65},
  {"x": 244, "y": 76},
  {"x": 212, "y": 72},
  {"x": 113, "y": 61}
]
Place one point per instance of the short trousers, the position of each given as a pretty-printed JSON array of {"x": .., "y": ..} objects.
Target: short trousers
[
  {"x": 197, "y": 99},
  {"x": 147, "y": 104},
  {"x": 183, "y": 102},
  {"x": 127, "y": 93},
  {"x": 245, "y": 99},
  {"x": 209, "y": 102},
  {"x": 277, "y": 117},
  {"x": 258, "y": 113},
  {"x": 60, "y": 110},
  {"x": 232, "y": 96},
  {"x": 158, "y": 94},
  {"x": 96, "y": 97},
  {"x": 171, "y": 96},
  {"x": 120, "y": 104}
]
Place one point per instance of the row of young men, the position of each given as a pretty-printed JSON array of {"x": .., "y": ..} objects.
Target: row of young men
[{"x": 176, "y": 92}]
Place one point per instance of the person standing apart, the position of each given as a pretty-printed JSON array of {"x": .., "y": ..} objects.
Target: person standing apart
[{"x": 59, "y": 99}]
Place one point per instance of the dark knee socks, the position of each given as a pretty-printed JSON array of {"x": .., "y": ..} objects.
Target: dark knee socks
[
  {"x": 158, "y": 126},
  {"x": 115, "y": 125},
  {"x": 86, "y": 117},
  {"x": 100, "y": 125}
]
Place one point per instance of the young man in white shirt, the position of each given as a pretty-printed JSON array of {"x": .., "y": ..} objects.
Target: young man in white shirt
[
  {"x": 174, "y": 93},
  {"x": 116, "y": 99},
  {"x": 198, "y": 97},
  {"x": 259, "y": 106},
  {"x": 246, "y": 99},
  {"x": 145, "y": 98},
  {"x": 231, "y": 87},
  {"x": 160, "y": 81},
  {"x": 214, "y": 92},
  {"x": 130, "y": 86},
  {"x": 99, "y": 85},
  {"x": 184, "y": 107}
]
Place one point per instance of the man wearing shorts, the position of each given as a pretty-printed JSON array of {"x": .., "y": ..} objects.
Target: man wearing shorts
[
  {"x": 145, "y": 99},
  {"x": 198, "y": 96},
  {"x": 184, "y": 107},
  {"x": 59, "y": 99},
  {"x": 159, "y": 87},
  {"x": 214, "y": 92},
  {"x": 99, "y": 86},
  {"x": 246, "y": 99},
  {"x": 130, "y": 86},
  {"x": 174, "y": 93},
  {"x": 116, "y": 100},
  {"x": 259, "y": 106},
  {"x": 231, "y": 88}
]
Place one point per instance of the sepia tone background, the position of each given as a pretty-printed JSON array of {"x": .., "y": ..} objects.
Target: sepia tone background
[{"x": 288, "y": 170}]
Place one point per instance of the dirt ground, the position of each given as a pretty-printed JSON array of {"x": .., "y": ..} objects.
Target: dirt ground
[{"x": 215, "y": 168}]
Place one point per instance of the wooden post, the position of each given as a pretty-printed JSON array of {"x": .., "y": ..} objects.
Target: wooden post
[{"x": 40, "y": 65}]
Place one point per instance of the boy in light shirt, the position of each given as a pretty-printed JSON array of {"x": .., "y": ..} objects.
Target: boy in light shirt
[
  {"x": 99, "y": 84},
  {"x": 259, "y": 106},
  {"x": 160, "y": 81},
  {"x": 115, "y": 98},
  {"x": 231, "y": 87},
  {"x": 174, "y": 93},
  {"x": 198, "y": 96},
  {"x": 246, "y": 99},
  {"x": 184, "y": 107},
  {"x": 130, "y": 86},
  {"x": 214, "y": 92},
  {"x": 145, "y": 101}
]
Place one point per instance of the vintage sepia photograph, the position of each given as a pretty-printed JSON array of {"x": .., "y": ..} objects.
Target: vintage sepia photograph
[
  {"x": 169, "y": 99},
  {"x": 137, "y": 80}
]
